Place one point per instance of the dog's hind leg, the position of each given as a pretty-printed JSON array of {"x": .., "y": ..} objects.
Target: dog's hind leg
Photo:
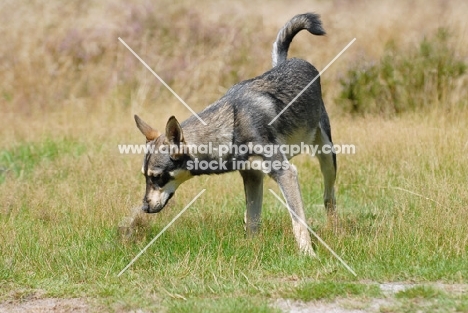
[
  {"x": 327, "y": 160},
  {"x": 253, "y": 187},
  {"x": 289, "y": 185}
]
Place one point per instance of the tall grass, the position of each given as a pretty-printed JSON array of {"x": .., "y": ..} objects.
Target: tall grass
[{"x": 68, "y": 92}]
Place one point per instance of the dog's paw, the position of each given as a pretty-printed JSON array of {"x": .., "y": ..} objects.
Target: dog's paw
[{"x": 309, "y": 251}]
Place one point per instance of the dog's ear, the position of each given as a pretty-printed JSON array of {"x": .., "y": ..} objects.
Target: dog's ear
[
  {"x": 174, "y": 134},
  {"x": 175, "y": 138},
  {"x": 149, "y": 132}
]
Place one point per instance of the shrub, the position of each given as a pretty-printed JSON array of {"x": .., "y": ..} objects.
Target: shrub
[{"x": 404, "y": 80}]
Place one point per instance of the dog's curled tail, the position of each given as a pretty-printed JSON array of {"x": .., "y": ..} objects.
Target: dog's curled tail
[{"x": 309, "y": 21}]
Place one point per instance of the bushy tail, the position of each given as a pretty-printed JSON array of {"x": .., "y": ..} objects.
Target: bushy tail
[{"x": 309, "y": 21}]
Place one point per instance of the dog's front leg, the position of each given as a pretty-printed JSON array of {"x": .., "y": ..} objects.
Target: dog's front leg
[
  {"x": 253, "y": 187},
  {"x": 289, "y": 185}
]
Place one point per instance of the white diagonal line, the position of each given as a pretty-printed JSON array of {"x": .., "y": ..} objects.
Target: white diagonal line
[
  {"x": 313, "y": 80},
  {"x": 160, "y": 233},
  {"x": 315, "y": 234},
  {"x": 163, "y": 82}
]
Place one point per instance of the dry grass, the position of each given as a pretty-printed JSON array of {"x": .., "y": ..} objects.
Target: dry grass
[{"x": 65, "y": 71}]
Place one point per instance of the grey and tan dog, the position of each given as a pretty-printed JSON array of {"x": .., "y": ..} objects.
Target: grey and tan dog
[{"x": 242, "y": 117}]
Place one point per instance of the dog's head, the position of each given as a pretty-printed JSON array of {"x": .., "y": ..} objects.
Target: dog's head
[{"x": 163, "y": 165}]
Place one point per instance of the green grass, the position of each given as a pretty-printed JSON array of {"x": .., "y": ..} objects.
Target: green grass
[
  {"x": 425, "y": 292},
  {"x": 330, "y": 290},
  {"x": 21, "y": 159},
  {"x": 61, "y": 237},
  {"x": 228, "y": 305}
]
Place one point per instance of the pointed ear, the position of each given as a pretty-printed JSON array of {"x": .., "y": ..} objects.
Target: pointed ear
[
  {"x": 146, "y": 130},
  {"x": 174, "y": 134}
]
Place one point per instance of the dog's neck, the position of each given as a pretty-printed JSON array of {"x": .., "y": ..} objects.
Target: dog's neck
[{"x": 218, "y": 130}]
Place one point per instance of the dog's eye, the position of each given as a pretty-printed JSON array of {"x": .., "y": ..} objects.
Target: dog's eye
[
  {"x": 156, "y": 180},
  {"x": 159, "y": 179}
]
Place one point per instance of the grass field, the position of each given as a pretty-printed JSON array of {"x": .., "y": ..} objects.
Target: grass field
[{"x": 67, "y": 98}]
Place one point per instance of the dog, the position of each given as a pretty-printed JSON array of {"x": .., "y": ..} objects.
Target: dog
[{"x": 242, "y": 117}]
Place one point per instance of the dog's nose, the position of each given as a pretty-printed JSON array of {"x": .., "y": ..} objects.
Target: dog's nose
[{"x": 145, "y": 207}]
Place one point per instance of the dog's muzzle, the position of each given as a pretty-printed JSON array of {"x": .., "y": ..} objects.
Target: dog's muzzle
[{"x": 148, "y": 208}]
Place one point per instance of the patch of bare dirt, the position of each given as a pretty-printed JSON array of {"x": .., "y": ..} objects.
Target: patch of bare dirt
[
  {"x": 338, "y": 306},
  {"x": 363, "y": 305},
  {"x": 47, "y": 305}
]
